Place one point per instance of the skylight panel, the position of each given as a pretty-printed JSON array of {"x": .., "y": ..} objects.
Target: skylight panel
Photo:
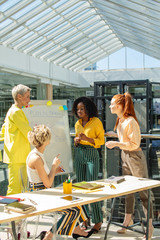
[
  {"x": 71, "y": 9},
  {"x": 27, "y": 9},
  {"x": 59, "y": 3},
  {"x": 12, "y": 33},
  {"x": 46, "y": 24},
  {"x": 56, "y": 28},
  {"x": 85, "y": 21},
  {"x": 8, "y": 4},
  {"x": 79, "y": 14},
  {"x": 64, "y": 33},
  {"x": 5, "y": 23},
  {"x": 38, "y": 16},
  {"x": 31, "y": 44}
]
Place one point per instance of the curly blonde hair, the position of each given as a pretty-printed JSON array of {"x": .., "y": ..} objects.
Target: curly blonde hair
[{"x": 39, "y": 135}]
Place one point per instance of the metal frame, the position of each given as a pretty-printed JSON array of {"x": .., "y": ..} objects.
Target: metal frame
[
  {"x": 134, "y": 22},
  {"x": 75, "y": 34},
  {"x": 131, "y": 227},
  {"x": 121, "y": 85}
]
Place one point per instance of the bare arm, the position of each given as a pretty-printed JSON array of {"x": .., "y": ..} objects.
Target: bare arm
[
  {"x": 111, "y": 134},
  {"x": 35, "y": 162},
  {"x": 82, "y": 136},
  {"x": 112, "y": 144}
]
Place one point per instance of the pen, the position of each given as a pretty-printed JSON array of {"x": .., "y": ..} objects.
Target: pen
[
  {"x": 112, "y": 186},
  {"x": 62, "y": 169},
  {"x": 69, "y": 178},
  {"x": 32, "y": 201}
]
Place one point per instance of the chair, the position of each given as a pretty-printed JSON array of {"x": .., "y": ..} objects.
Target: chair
[
  {"x": 25, "y": 188},
  {"x": 36, "y": 220}
]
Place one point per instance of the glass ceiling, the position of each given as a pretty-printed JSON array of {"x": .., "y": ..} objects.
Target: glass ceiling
[{"x": 75, "y": 34}]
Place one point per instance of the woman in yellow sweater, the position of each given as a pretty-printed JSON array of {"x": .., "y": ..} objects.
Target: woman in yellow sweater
[
  {"x": 133, "y": 159},
  {"x": 89, "y": 136},
  {"x": 16, "y": 144}
]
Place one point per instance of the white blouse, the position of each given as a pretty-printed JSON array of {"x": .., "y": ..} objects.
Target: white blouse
[{"x": 32, "y": 173}]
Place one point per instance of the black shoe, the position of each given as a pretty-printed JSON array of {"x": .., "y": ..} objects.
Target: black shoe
[
  {"x": 75, "y": 236},
  {"x": 42, "y": 235}
]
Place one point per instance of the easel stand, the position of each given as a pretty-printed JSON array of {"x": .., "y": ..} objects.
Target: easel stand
[{"x": 132, "y": 226}]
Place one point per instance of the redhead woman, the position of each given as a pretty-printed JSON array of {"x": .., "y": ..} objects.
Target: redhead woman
[
  {"x": 133, "y": 159},
  {"x": 40, "y": 177}
]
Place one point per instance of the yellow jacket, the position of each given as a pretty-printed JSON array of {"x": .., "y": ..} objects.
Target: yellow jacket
[
  {"x": 15, "y": 130},
  {"x": 93, "y": 129}
]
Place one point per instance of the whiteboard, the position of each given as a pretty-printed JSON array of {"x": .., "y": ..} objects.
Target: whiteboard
[{"x": 53, "y": 114}]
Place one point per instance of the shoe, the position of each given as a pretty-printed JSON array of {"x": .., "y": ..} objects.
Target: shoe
[
  {"x": 75, "y": 236},
  {"x": 41, "y": 235},
  {"x": 124, "y": 230},
  {"x": 95, "y": 231}
]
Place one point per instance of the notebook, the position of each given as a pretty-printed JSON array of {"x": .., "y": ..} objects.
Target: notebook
[
  {"x": 7, "y": 200},
  {"x": 114, "y": 179},
  {"x": 20, "y": 207},
  {"x": 86, "y": 185}
]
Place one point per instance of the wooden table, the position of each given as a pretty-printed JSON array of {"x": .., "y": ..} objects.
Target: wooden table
[{"x": 49, "y": 200}]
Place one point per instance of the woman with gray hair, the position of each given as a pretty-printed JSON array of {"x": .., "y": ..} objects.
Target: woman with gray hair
[{"x": 16, "y": 144}]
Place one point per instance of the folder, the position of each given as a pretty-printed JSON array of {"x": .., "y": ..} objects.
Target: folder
[
  {"x": 7, "y": 200},
  {"x": 87, "y": 185}
]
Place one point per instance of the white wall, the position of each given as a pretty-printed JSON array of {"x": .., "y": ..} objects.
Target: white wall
[{"x": 46, "y": 72}]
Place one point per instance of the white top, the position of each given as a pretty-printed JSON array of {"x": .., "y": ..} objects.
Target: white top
[{"x": 32, "y": 173}]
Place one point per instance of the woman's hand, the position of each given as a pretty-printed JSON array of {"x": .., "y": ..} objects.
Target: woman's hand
[
  {"x": 59, "y": 169},
  {"x": 76, "y": 141},
  {"x": 111, "y": 144},
  {"x": 82, "y": 136},
  {"x": 56, "y": 161},
  {"x": 111, "y": 134}
]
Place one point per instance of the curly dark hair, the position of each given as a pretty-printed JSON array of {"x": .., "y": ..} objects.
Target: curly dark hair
[{"x": 89, "y": 105}]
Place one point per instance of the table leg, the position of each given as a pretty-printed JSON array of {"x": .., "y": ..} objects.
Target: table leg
[
  {"x": 110, "y": 218},
  {"x": 22, "y": 228},
  {"x": 128, "y": 227},
  {"x": 14, "y": 230},
  {"x": 148, "y": 213}
]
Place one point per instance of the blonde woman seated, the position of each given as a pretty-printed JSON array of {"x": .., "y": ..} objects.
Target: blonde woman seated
[{"x": 41, "y": 177}]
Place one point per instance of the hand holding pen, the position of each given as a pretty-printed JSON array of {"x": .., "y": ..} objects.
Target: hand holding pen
[{"x": 60, "y": 169}]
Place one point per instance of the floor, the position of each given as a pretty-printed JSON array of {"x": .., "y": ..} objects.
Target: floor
[{"x": 45, "y": 222}]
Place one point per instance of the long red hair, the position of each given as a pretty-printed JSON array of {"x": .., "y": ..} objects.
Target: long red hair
[{"x": 125, "y": 100}]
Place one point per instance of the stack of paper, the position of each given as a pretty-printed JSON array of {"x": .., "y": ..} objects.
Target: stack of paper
[{"x": 113, "y": 179}]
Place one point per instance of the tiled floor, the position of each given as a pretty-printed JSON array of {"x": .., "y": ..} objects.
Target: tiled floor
[{"x": 45, "y": 223}]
